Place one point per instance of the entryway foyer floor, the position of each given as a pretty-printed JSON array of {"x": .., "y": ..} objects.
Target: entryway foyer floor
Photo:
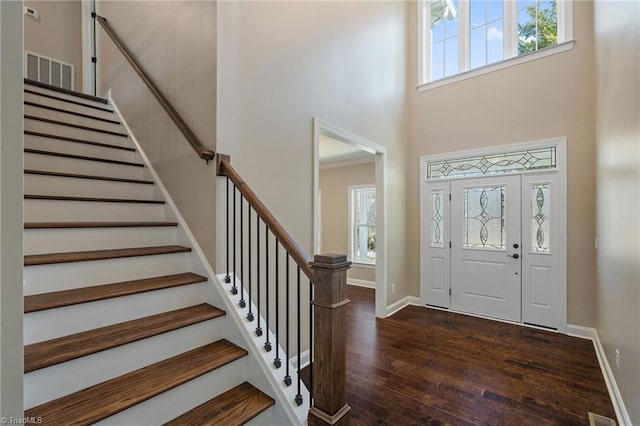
[{"x": 423, "y": 366}]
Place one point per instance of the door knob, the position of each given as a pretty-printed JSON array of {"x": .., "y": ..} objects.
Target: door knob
[
  {"x": 516, "y": 245},
  {"x": 515, "y": 255}
]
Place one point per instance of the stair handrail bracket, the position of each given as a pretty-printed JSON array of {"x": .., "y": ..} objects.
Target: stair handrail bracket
[
  {"x": 330, "y": 341},
  {"x": 203, "y": 152}
]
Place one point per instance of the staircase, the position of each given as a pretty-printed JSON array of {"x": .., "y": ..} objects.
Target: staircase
[{"x": 120, "y": 327}]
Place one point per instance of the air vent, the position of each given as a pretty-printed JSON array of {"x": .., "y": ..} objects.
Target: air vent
[
  {"x": 598, "y": 420},
  {"x": 49, "y": 71}
]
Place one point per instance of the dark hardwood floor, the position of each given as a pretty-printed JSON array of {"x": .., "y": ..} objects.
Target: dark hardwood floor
[{"x": 423, "y": 366}]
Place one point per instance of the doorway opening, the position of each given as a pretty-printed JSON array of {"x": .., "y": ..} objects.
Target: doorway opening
[
  {"x": 349, "y": 205},
  {"x": 493, "y": 233}
]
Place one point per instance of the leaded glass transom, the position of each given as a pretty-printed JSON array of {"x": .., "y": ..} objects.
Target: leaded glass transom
[
  {"x": 540, "y": 217},
  {"x": 437, "y": 229},
  {"x": 513, "y": 162},
  {"x": 484, "y": 217}
]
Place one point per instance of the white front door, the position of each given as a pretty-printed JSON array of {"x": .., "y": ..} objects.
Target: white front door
[{"x": 486, "y": 241}]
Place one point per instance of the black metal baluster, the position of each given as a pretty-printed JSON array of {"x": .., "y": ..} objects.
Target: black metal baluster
[
  {"x": 267, "y": 343},
  {"x": 234, "y": 289},
  {"x": 277, "y": 362},
  {"x": 299, "y": 395},
  {"x": 310, "y": 344},
  {"x": 250, "y": 314},
  {"x": 287, "y": 377},
  {"x": 258, "y": 329},
  {"x": 242, "y": 302},
  {"x": 227, "y": 278}
]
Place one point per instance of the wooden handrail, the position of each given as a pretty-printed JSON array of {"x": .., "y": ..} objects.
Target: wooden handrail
[
  {"x": 204, "y": 153},
  {"x": 296, "y": 253}
]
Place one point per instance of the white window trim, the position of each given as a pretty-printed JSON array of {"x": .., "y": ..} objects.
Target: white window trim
[
  {"x": 350, "y": 189},
  {"x": 565, "y": 42}
]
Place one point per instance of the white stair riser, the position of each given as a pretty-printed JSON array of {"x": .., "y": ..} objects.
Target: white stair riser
[
  {"x": 181, "y": 399},
  {"x": 37, "y": 241},
  {"x": 64, "y": 96},
  {"x": 64, "y": 276},
  {"x": 67, "y": 147},
  {"x": 62, "y": 379},
  {"x": 58, "y": 185},
  {"x": 72, "y": 119},
  {"x": 72, "y": 132},
  {"x": 41, "y": 100},
  {"x": 266, "y": 418},
  {"x": 87, "y": 211},
  {"x": 54, "y": 323},
  {"x": 52, "y": 163}
]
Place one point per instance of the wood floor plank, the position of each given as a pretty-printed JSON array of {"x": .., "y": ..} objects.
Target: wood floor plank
[
  {"x": 40, "y": 302},
  {"x": 98, "y": 402},
  {"x": 232, "y": 408},
  {"x": 82, "y": 256},
  {"x": 424, "y": 366},
  {"x": 55, "y": 351},
  {"x": 64, "y": 225}
]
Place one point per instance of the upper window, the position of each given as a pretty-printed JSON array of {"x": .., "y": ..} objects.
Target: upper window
[
  {"x": 458, "y": 36},
  {"x": 362, "y": 224}
]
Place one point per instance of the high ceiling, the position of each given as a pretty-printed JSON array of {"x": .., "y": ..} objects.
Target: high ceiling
[{"x": 333, "y": 151}]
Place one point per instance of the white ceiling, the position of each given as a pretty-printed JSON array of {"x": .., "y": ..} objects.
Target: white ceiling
[{"x": 332, "y": 151}]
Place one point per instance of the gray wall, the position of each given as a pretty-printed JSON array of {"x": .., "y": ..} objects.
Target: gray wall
[
  {"x": 617, "y": 32},
  {"x": 11, "y": 225},
  {"x": 176, "y": 44}
]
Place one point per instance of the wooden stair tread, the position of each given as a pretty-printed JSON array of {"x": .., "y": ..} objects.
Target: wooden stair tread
[
  {"x": 82, "y": 256},
  {"x": 96, "y": 199},
  {"x": 66, "y": 111},
  {"x": 55, "y": 351},
  {"x": 92, "y": 177},
  {"x": 76, "y": 140},
  {"x": 65, "y": 91},
  {"x": 57, "y": 299},
  {"x": 234, "y": 407},
  {"x": 63, "y": 225},
  {"x": 76, "y": 126},
  {"x": 81, "y": 157},
  {"x": 98, "y": 402}
]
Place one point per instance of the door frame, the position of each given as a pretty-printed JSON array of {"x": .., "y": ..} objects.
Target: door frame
[
  {"x": 321, "y": 127},
  {"x": 560, "y": 144}
]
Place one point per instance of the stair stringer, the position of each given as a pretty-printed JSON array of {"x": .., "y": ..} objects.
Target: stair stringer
[{"x": 260, "y": 372}]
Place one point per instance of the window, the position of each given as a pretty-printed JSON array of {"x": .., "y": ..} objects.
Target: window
[
  {"x": 362, "y": 224},
  {"x": 458, "y": 36}
]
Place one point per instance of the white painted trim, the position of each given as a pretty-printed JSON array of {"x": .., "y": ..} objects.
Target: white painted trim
[
  {"x": 507, "y": 63},
  {"x": 88, "y": 84},
  {"x": 304, "y": 356},
  {"x": 346, "y": 163},
  {"x": 401, "y": 304},
  {"x": 361, "y": 283},
  {"x": 380, "y": 151},
  {"x": 561, "y": 169},
  {"x": 363, "y": 265},
  {"x": 350, "y": 216},
  {"x": 296, "y": 415},
  {"x": 614, "y": 392}
]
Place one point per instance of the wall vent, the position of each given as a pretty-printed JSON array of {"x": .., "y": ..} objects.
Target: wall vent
[
  {"x": 49, "y": 71},
  {"x": 598, "y": 420}
]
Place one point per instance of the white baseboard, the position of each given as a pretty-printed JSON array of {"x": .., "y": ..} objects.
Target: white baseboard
[
  {"x": 616, "y": 398},
  {"x": 361, "y": 283},
  {"x": 304, "y": 357},
  {"x": 401, "y": 304}
]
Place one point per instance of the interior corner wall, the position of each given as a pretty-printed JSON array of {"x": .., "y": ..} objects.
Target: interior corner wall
[
  {"x": 284, "y": 63},
  {"x": 175, "y": 41},
  {"x": 11, "y": 222},
  {"x": 542, "y": 99},
  {"x": 334, "y": 217},
  {"x": 617, "y": 35},
  {"x": 57, "y": 33}
]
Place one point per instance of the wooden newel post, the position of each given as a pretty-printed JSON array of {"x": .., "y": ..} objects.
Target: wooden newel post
[{"x": 330, "y": 341}]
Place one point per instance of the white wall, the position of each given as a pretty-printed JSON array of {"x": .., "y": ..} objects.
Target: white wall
[
  {"x": 617, "y": 32},
  {"x": 283, "y": 63},
  {"x": 11, "y": 225}
]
